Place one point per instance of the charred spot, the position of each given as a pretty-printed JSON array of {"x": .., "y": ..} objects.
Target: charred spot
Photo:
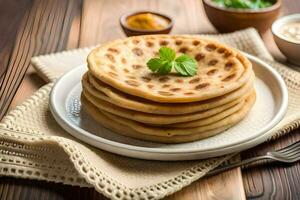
[
  {"x": 228, "y": 78},
  {"x": 110, "y": 57},
  {"x": 163, "y": 79},
  {"x": 212, "y": 62},
  {"x": 211, "y": 72},
  {"x": 165, "y": 93},
  {"x": 228, "y": 65},
  {"x": 113, "y": 50},
  {"x": 146, "y": 79},
  {"x": 183, "y": 50},
  {"x": 163, "y": 43},
  {"x": 175, "y": 89},
  {"x": 201, "y": 86},
  {"x": 199, "y": 56},
  {"x": 149, "y": 44},
  {"x": 123, "y": 60},
  {"x": 132, "y": 83},
  {"x": 178, "y": 42},
  {"x": 221, "y": 50},
  {"x": 210, "y": 47},
  {"x": 189, "y": 93},
  {"x": 137, "y": 66},
  {"x": 196, "y": 42},
  {"x": 195, "y": 80},
  {"x": 137, "y": 51}
]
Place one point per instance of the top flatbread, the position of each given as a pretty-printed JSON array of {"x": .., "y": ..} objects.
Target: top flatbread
[{"x": 122, "y": 65}]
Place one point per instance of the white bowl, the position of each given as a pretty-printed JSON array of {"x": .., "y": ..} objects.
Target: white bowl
[{"x": 290, "y": 49}]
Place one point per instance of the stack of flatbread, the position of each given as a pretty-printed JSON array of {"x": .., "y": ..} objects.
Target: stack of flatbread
[{"x": 123, "y": 95}]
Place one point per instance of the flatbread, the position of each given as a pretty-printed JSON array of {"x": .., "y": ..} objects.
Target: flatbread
[
  {"x": 155, "y": 119},
  {"x": 128, "y": 132},
  {"x": 107, "y": 93},
  {"x": 170, "y": 132},
  {"x": 122, "y": 65}
]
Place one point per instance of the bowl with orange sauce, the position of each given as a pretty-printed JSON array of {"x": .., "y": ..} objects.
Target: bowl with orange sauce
[
  {"x": 146, "y": 23},
  {"x": 286, "y": 33}
]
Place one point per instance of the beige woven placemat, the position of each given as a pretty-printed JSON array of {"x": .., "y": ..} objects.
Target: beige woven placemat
[{"x": 32, "y": 145}]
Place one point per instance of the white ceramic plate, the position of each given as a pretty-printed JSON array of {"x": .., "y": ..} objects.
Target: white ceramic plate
[{"x": 269, "y": 109}]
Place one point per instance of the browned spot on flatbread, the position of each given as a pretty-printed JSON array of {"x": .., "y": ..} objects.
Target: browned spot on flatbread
[
  {"x": 137, "y": 66},
  {"x": 163, "y": 79},
  {"x": 194, "y": 80},
  {"x": 110, "y": 57},
  {"x": 178, "y": 42},
  {"x": 149, "y": 44},
  {"x": 183, "y": 50},
  {"x": 196, "y": 42},
  {"x": 131, "y": 77},
  {"x": 211, "y": 72},
  {"x": 123, "y": 60},
  {"x": 228, "y": 78},
  {"x": 227, "y": 54},
  {"x": 126, "y": 70},
  {"x": 112, "y": 67},
  {"x": 179, "y": 81},
  {"x": 135, "y": 41},
  {"x": 188, "y": 93},
  {"x": 221, "y": 50},
  {"x": 166, "y": 85},
  {"x": 228, "y": 66},
  {"x": 163, "y": 43},
  {"x": 113, "y": 50},
  {"x": 210, "y": 47},
  {"x": 113, "y": 74},
  {"x": 175, "y": 89},
  {"x": 165, "y": 93},
  {"x": 199, "y": 56},
  {"x": 146, "y": 79},
  {"x": 132, "y": 83},
  {"x": 150, "y": 86},
  {"x": 212, "y": 62},
  {"x": 137, "y": 51},
  {"x": 201, "y": 86}
]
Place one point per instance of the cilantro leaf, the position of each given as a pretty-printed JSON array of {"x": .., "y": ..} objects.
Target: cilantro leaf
[
  {"x": 184, "y": 64},
  {"x": 159, "y": 66},
  {"x": 167, "y": 54}
]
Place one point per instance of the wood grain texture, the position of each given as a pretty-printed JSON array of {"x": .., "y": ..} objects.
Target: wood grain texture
[{"x": 43, "y": 26}]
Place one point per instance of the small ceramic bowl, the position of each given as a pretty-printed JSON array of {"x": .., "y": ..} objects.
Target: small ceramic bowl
[
  {"x": 133, "y": 32},
  {"x": 290, "y": 49},
  {"x": 232, "y": 19}
]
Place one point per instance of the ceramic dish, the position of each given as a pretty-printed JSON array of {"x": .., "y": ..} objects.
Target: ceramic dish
[
  {"x": 231, "y": 19},
  {"x": 269, "y": 109},
  {"x": 290, "y": 49},
  {"x": 134, "y": 32}
]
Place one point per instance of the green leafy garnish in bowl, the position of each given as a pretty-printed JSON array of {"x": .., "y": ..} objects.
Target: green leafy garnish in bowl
[
  {"x": 184, "y": 64},
  {"x": 245, "y": 4}
]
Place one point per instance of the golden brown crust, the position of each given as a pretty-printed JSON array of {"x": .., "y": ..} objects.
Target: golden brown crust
[{"x": 219, "y": 72}]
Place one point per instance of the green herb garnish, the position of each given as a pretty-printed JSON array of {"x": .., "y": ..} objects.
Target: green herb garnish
[
  {"x": 245, "y": 4},
  {"x": 184, "y": 64}
]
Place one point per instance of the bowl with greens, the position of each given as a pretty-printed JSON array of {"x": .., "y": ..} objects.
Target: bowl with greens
[{"x": 232, "y": 15}]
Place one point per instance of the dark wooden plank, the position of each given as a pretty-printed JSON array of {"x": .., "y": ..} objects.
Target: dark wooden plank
[{"x": 43, "y": 29}]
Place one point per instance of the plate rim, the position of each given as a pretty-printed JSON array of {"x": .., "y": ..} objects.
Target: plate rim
[{"x": 70, "y": 127}]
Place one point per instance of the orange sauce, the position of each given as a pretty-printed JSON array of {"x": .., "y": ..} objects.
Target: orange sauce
[{"x": 147, "y": 21}]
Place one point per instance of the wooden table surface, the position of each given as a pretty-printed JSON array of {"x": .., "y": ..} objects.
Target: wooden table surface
[{"x": 35, "y": 27}]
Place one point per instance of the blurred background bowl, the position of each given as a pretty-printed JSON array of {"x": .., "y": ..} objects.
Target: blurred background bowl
[
  {"x": 232, "y": 19},
  {"x": 134, "y": 32},
  {"x": 290, "y": 49}
]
